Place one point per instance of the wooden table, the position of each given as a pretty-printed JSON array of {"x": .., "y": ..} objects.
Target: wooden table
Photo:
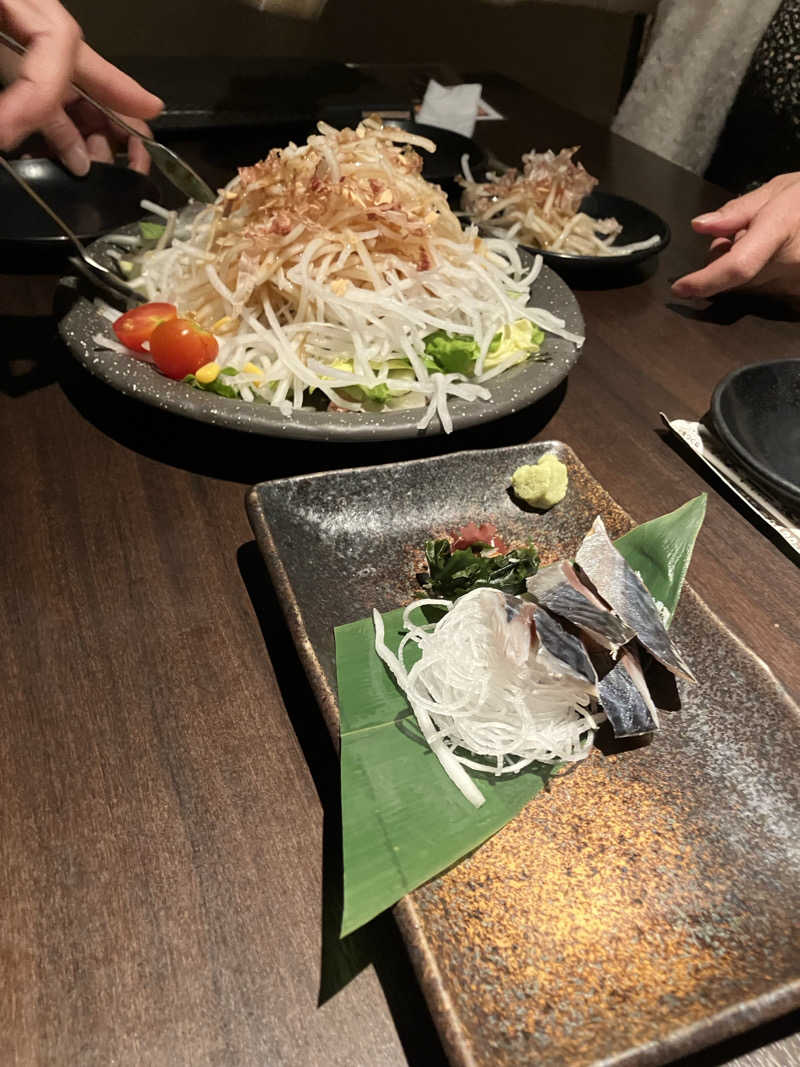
[{"x": 168, "y": 790}]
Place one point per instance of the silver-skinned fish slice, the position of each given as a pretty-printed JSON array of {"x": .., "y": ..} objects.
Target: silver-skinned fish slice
[
  {"x": 625, "y": 592},
  {"x": 625, "y": 698},
  {"x": 558, "y": 589},
  {"x": 514, "y": 626},
  {"x": 562, "y": 653}
]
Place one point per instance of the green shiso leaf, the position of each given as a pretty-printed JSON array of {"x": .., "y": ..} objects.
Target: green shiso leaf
[{"x": 403, "y": 822}]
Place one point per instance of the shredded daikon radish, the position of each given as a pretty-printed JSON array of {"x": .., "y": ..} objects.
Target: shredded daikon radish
[
  {"x": 482, "y": 697},
  {"x": 112, "y": 346},
  {"x": 338, "y": 256},
  {"x": 540, "y": 207}
]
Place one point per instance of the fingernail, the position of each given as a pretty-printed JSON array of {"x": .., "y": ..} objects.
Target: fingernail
[
  {"x": 712, "y": 216},
  {"x": 680, "y": 289},
  {"x": 76, "y": 159}
]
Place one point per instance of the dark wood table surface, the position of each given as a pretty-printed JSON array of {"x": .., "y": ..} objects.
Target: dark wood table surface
[{"x": 168, "y": 792}]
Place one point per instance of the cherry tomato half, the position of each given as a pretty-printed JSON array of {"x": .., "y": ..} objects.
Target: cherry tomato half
[
  {"x": 180, "y": 346},
  {"x": 135, "y": 326}
]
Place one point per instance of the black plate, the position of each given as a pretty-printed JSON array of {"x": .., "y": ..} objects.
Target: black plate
[
  {"x": 106, "y": 199},
  {"x": 756, "y": 413},
  {"x": 638, "y": 224}
]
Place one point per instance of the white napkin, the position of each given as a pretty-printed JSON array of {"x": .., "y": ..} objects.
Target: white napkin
[{"x": 450, "y": 107}]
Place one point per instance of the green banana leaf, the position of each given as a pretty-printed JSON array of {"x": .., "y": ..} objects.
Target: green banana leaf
[
  {"x": 660, "y": 550},
  {"x": 403, "y": 821}
]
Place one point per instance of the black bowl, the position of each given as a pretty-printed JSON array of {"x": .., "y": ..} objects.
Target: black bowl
[
  {"x": 756, "y": 413},
  {"x": 107, "y": 198},
  {"x": 638, "y": 224}
]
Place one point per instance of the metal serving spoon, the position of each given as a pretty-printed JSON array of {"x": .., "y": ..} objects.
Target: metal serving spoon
[
  {"x": 170, "y": 164},
  {"x": 85, "y": 263}
]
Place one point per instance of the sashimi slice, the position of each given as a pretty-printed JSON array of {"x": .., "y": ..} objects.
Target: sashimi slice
[
  {"x": 558, "y": 589},
  {"x": 626, "y": 700},
  {"x": 625, "y": 592}
]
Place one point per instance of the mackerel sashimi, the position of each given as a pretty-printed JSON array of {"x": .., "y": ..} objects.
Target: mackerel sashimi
[
  {"x": 558, "y": 588},
  {"x": 622, "y": 588},
  {"x": 626, "y": 700}
]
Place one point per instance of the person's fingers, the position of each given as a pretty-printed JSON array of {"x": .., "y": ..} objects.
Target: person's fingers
[
  {"x": 44, "y": 74},
  {"x": 718, "y": 247},
  {"x": 92, "y": 122},
  {"x": 89, "y": 119},
  {"x": 138, "y": 156},
  {"x": 738, "y": 213},
  {"x": 742, "y": 262},
  {"x": 113, "y": 87},
  {"x": 733, "y": 216},
  {"x": 99, "y": 148},
  {"x": 68, "y": 145}
]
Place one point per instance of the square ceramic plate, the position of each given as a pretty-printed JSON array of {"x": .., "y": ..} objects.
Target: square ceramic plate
[{"x": 648, "y": 904}]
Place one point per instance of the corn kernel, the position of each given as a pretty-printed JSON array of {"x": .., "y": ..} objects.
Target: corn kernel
[
  {"x": 208, "y": 373},
  {"x": 251, "y": 368}
]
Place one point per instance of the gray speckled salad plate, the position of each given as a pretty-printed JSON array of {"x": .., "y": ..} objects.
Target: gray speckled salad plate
[{"x": 516, "y": 388}]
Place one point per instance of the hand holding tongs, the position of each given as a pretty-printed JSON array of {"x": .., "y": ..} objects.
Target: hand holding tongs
[{"x": 170, "y": 164}]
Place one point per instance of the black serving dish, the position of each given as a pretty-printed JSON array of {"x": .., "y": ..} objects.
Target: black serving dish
[
  {"x": 103, "y": 201},
  {"x": 638, "y": 224},
  {"x": 756, "y": 413}
]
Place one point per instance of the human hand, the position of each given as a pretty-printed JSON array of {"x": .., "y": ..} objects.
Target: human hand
[
  {"x": 40, "y": 97},
  {"x": 756, "y": 243}
]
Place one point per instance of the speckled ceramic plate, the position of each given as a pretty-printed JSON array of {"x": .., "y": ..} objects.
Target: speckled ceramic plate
[
  {"x": 644, "y": 907},
  {"x": 515, "y": 389}
]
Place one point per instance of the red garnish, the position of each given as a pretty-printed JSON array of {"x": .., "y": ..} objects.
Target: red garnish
[
  {"x": 136, "y": 326},
  {"x": 479, "y": 537}
]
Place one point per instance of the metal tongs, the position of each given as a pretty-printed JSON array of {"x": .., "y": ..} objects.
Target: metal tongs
[{"x": 182, "y": 176}]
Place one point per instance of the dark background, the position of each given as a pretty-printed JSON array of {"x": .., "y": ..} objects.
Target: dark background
[{"x": 572, "y": 55}]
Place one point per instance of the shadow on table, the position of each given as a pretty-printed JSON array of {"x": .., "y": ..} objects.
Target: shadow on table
[
  {"x": 378, "y": 943},
  {"x": 25, "y": 365},
  {"x": 728, "y": 308},
  {"x": 249, "y": 458},
  {"x": 611, "y": 276}
]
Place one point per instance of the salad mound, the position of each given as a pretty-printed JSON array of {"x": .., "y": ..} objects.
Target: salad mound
[{"x": 332, "y": 274}]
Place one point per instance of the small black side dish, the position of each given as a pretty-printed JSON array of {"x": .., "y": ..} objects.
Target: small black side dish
[
  {"x": 638, "y": 222},
  {"x": 756, "y": 413},
  {"x": 107, "y": 198}
]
